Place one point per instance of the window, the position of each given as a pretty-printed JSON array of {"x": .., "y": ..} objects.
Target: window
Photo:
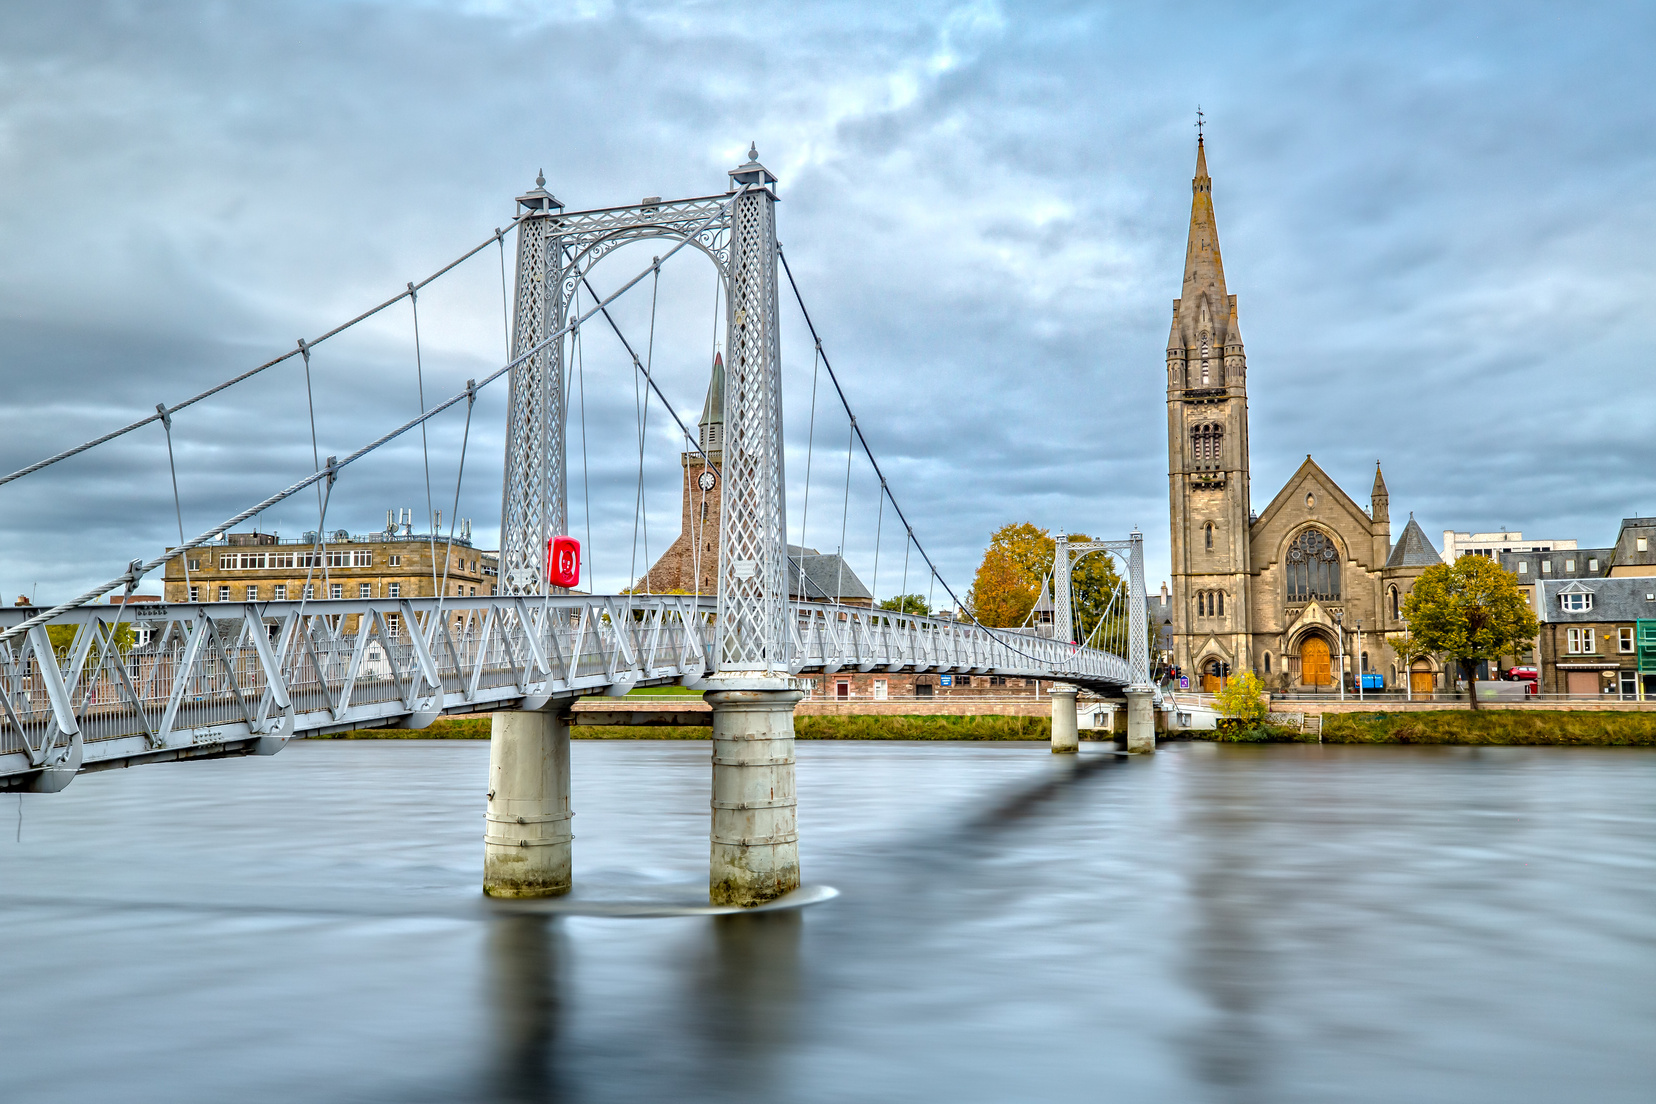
[
  {"x": 393, "y": 590},
  {"x": 997, "y": 680},
  {"x": 1569, "y": 565},
  {"x": 1546, "y": 567},
  {"x": 1523, "y": 568},
  {"x": 391, "y": 623},
  {"x": 1579, "y": 641},
  {"x": 473, "y": 593},
  {"x": 1365, "y": 663},
  {"x": 279, "y": 592},
  {"x": 1313, "y": 567},
  {"x": 336, "y": 590},
  {"x": 1624, "y": 640},
  {"x": 1267, "y": 663},
  {"x": 1210, "y": 603},
  {"x": 1396, "y": 606},
  {"x": 224, "y": 594},
  {"x": 1576, "y": 601},
  {"x": 963, "y": 680},
  {"x": 1640, "y": 544},
  {"x": 365, "y": 590},
  {"x": 879, "y": 689},
  {"x": 396, "y": 561},
  {"x": 362, "y": 559},
  {"x": 310, "y": 591},
  {"x": 252, "y": 594},
  {"x": 1206, "y": 440},
  {"x": 195, "y": 594},
  {"x": 195, "y": 565},
  {"x": 1592, "y": 565},
  {"x": 1207, "y": 531}
]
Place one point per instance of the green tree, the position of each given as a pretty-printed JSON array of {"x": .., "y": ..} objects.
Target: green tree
[
  {"x": 1019, "y": 558},
  {"x": 63, "y": 641},
  {"x": 908, "y": 603},
  {"x": 1240, "y": 699},
  {"x": 1470, "y": 611}
]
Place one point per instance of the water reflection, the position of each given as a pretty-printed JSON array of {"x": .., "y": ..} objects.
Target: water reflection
[{"x": 526, "y": 954}]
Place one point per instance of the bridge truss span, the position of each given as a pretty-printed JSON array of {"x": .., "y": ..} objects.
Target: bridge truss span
[{"x": 126, "y": 685}]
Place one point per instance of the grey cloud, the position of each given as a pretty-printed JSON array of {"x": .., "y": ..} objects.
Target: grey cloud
[{"x": 1433, "y": 219}]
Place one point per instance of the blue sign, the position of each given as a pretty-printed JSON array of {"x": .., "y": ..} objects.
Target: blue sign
[
  {"x": 945, "y": 680},
  {"x": 1184, "y": 682}
]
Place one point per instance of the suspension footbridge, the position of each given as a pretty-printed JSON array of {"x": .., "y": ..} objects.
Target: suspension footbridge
[{"x": 243, "y": 678}]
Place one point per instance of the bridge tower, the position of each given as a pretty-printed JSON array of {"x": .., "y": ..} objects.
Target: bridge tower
[
  {"x": 754, "y": 853},
  {"x": 1207, "y": 453},
  {"x": 755, "y": 842}
]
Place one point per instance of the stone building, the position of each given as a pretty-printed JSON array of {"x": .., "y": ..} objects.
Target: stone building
[
  {"x": 1284, "y": 593},
  {"x": 393, "y": 563}
]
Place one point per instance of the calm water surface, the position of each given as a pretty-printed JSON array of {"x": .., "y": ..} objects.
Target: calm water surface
[{"x": 1235, "y": 924}]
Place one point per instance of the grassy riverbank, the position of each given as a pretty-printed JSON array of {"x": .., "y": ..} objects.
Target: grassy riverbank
[
  {"x": 1494, "y": 727},
  {"x": 805, "y": 728}
]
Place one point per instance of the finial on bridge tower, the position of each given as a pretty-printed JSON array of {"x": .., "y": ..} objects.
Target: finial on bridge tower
[
  {"x": 752, "y": 172},
  {"x": 538, "y": 199}
]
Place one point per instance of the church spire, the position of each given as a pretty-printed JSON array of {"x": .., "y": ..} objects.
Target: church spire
[
  {"x": 1206, "y": 305},
  {"x": 1379, "y": 498}
]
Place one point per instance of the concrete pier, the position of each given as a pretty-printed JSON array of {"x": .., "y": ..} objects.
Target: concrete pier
[
  {"x": 527, "y": 837},
  {"x": 1066, "y": 739},
  {"x": 754, "y": 853},
  {"x": 1141, "y": 720}
]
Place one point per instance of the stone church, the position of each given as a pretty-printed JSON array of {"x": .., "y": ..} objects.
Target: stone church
[{"x": 1282, "y": 592}]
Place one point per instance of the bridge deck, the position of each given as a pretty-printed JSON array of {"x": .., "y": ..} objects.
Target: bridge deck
[{"x": 196, "y": 680}]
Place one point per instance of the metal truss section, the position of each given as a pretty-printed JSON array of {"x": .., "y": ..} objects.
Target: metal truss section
[{"x": 238, "y": 678}]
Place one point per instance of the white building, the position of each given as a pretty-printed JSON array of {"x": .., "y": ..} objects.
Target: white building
[{"x": 1456, "y": 545}]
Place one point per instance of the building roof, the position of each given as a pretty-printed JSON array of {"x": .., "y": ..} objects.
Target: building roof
[
  {"x": 1627, "y": 552},
  {"x": 817, "y": 577},
  {"x": 1629, "y": 598},
  {"x": 1582, "y": 558},
  {"x": 1412, "y": 549}
]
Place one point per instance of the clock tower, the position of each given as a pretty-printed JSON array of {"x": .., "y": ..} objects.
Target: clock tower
[{"x": 1207, "y": 456}]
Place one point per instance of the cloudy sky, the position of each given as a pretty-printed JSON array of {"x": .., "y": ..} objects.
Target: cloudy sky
[{"x": 1435, "y": 218}]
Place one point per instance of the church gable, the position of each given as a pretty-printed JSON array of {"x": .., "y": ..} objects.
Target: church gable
[{"x": 1311, "y": 497}]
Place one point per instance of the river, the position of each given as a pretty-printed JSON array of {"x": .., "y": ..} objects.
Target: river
[{"x": 1230, "y": 924}]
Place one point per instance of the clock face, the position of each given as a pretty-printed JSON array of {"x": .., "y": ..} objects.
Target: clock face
[{"x": 706, "y": 480}]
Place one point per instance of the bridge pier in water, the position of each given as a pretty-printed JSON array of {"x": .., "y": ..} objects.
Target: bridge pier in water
[
  {"x": 1141, "y": 719},
  {"x": 527, "y": 839},
  {"x": 1066, "y": 735},
  {"x": 754, "y": 843}
]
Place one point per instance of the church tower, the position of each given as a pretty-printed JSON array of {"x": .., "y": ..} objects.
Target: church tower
[{"x": 1207, "y": 455}]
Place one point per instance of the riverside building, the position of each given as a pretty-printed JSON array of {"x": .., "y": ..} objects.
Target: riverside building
[{"x": 395, "y": 562}]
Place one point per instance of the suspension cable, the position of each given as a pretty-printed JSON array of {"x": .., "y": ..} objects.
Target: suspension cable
[
  {"x": 178, "y": 509},
  {"x": 869, "y": 452},
  {"x": 845, "y": 514},
  {"x": 138, "y": 570},
  {"x": 810, "y": 445},
  {"x": 211, "y": 391}
]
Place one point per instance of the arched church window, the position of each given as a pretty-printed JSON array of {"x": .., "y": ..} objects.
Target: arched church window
[
  {"x": 1267, "y": 663},
  {"x": 1313, "y": 567},
  {"x": 1396, "y": 610},
  {"x": 1207, "y": 531}
]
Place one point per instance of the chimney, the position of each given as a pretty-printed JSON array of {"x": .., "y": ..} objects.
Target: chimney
[{"x": 1164, "y": 593}]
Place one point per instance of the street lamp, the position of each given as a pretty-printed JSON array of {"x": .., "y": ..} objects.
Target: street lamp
[
  {"x": 1339, "y": 635},
  {"x": 1361, "y": 670}
]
